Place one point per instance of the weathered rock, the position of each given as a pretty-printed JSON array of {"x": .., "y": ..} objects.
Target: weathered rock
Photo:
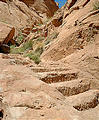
[
  {"x": 57, "y": 21},
  {"x": 73, "y": 38},
  {"x": 24, "y": 13},
  {"x": 26, "y": 31},
  {"x": 18, "y": 14},
  {"x": 72, "y": 87},
  {"x": 77, "y": 46},
  {"x": 85, "y": 101},
  {"x": 44, "y": 6},
  {"x": 6, "y": 36},
  {"x": 24, "y": 94},
  {"x": 65, "y": 85},
  {"x": 6, "y": 33},
  {"x": 4, "y": 48},
  {"x": 70, "y": 3}
]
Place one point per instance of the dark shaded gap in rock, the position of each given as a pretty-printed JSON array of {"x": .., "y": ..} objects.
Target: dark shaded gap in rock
[{"x": 1, "y": 115}]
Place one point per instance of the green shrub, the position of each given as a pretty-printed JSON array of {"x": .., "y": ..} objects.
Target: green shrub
[
  {"x": 54, "y": 35},
  {"x": 39, "y": 24},
  {"x": 12, "y": 46},
  {"x": 21, "y": 49},
  {"x": 39, "y": 50},
  {"x": 34, "y": 56},
  {"x": 47, "y": 42},
  {"x": 20, "y": 38},
  {"x": 25, "y": 48},
  {"x": 4, "y": 22},
  {"x": 51, "y": 37},
  {"x": 27, "y": 45},
  {"x": 40, "y": 38},
  {"x": 96, "y": 5}
]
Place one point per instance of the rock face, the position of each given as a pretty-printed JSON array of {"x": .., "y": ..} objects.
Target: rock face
[
  {"x": 70, "y": 3},
  {"x": 6, "y": 36},
  {"x": 76, "y": 47},
  {"x": 19, "y": 10},
  {"x": 6, "y": 33},
  {"x": 74, "y": 34},
  {"x": 26, "y": 12},
  {"x": 65, "y": 84},
  {"x": 49, "y": 7},
  {"x": 26, "y": 97}
]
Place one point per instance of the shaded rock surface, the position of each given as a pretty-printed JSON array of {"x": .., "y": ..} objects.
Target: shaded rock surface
[
  {"x": 44, "y": 6},
  {"x": 7, "y": 33}
]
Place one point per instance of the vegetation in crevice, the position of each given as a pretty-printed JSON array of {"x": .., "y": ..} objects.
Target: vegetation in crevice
[
  {"x": 31, "y": 49},
  {"x": 20, "y": 38},
  {"x": 51, "y": 37},
  {"x": 96, "y": 5},
  {"x": 24, "y": 47},
  {"x": 32, "y": 46},
  {"x": 35, "y": 55}
]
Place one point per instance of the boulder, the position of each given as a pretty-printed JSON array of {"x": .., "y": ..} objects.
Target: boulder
[
  {"x": 57, "y": 21},
  {"x": 6, "y": 33},
  {"x": 4, "y": 48},
  {"x": 6, "y": 36}
]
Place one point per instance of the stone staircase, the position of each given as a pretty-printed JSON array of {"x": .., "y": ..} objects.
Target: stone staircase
[
  {"x": 84, "y": 101},
  {"x": 78, "y": 91},
  {"x": 73, "y": 87}
]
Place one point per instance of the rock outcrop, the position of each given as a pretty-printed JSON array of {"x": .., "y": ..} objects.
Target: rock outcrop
[
  {"x": 25, "y": 96},
  {"x": 75, "y": 33},
  {"x": 49, "y": 7},
  {"x": 70, "y": 3},
  {"x": 7, "y": 33},
  {"x": 18, "y": 14},
  {"x": 23, "y": 13},
  {"x": 64, "y": 82},
  {"x": 76, "y": 47}
]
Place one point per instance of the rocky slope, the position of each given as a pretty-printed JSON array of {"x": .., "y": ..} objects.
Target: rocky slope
[
  {"x": 22, "y": 15},
  {"x": 26, "y": 12},
  {"x": 64, "y": 82}
]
